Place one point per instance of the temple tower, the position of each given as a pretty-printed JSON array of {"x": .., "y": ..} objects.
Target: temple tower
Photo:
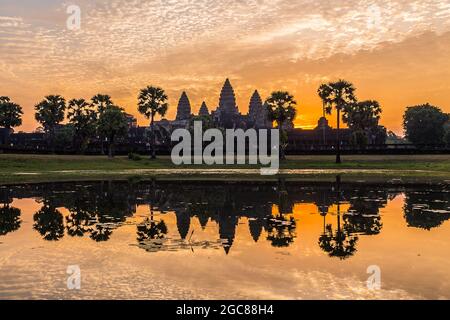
[
  {"x": 184, "y": 108},
  {"x": 262, "y": 118},
  {"x": 227, "y": 114},
  {"x": 203, "y": 110},
  {"x": 227, "y": 101},
  {"x": 255, "y": 106}
]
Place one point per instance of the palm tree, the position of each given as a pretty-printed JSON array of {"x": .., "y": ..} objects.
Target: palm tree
[
  {"x": 152, "y": 101},
  {"x": 83, "y": 118},
  {"x": 339, "y": 95},
  {"x": 101, "y": 102},
  {"x": 50, "y": 112},
  {"x": 10, "y": 115},
  {"x": 281, "y": 109},
  {"x": 112, "y": 124}
]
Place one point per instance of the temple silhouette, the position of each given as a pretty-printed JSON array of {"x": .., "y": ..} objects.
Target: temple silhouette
[
  {"x": 98, "y": 209},
  {"x": 226, "y": 115}
]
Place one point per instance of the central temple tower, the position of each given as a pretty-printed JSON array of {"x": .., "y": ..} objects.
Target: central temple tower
[
  {"x": 227, "y": 114},
  {"x": 184, "y": 108},
  {"x": 227, "y": 101}
]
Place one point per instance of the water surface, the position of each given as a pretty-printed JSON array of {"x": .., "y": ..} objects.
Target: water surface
[{"x": 224, "y": 240}]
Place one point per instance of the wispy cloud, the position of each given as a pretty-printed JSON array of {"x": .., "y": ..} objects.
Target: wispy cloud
[{"x": 123, "y": 44}]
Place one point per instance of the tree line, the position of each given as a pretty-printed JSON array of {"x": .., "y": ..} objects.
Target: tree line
[{"x": 101, "y": 118}]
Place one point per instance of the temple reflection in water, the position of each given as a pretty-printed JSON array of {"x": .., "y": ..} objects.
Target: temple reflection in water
[{"x": 96, "y": 210}]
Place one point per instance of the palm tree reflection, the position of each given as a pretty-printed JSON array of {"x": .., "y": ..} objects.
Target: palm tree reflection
[
  {"x": 339, "y": 243},
  {"x": 151, "y": 233},
  {"x": 281, "y": 231},
  {"x": 96, "y": 210},
  {"x": 100, "y": 233},
  {"x": 151, "y": 230},
  {"x": 79, "y": 222},
  {"x": 9, "y": 219},
  {"x": 49, "y": 222}
]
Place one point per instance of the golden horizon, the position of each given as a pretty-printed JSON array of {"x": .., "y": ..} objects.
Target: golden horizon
[{"x": 393, "y": 52}]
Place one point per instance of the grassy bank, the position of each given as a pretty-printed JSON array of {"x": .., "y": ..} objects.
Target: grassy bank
[{"x": 39, "y": 168}]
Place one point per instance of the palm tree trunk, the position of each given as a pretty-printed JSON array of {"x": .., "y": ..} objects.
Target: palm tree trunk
[
  {"x": 338, "y": 137},
  {"x": 152, "y": 144},
  {"x": 7, "y": 136},
  {"x": 282, "y": 142},
  {"x": 338, "y": 189},
  {"x": 102, "y": 146},
  {"x": 52, "y": 140},
  {"x": 323, "y": 129},
  {"x": 110, "y": 148}
]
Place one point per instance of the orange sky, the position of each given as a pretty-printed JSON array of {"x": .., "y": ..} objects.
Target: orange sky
[{"x": 393, "y": 51}]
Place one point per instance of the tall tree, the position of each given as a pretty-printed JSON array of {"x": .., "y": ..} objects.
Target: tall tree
[
  {"x": 10, "y": 115},
  {"x": 152, "y": 101},
  {"x": 363, "y": 120},
  {"x": 83, "y": 118},
  {"x": 49, "y": 113},
  {"x": 339, "y": 94},
  {"x": 100, "y": 102},
  {"x": 281, "y": 108},
  {"x": 424, "y": 124},
  {"x": 447, "y": 133},
  {"x": 112, "y": 124}
]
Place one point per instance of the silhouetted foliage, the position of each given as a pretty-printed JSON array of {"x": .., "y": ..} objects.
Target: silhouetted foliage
[
  {"x": 112, "y": 124},
  {"x": 424, "y": 124},
  {"x": 64, "y": 137},
  {"x": 49, "y": 113},
  {"x": 10, "y": 115},
  {"x": 101, "y": 102},
  {"x": 9, "y": 219},
  {"x": 281, "y": 108},
  {"x": 363, "y": 119},
  {"x": 281, "y": 231},
  {"x": 426, "y": 210},
  {"x": 447, "y": 133},
  {"x": 363, "y": 216},
  {"x": 339, "y": 243},
  {"x": 83, "y": 119},
  {"x": 151, "y": 230},
  {"x": 48, "y": 221},
  {"x": 152, "y": 102},
  {"x": 340, "y": 95}
]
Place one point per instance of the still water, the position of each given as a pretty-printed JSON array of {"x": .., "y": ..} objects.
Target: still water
[{"x": 177, "y": 240}]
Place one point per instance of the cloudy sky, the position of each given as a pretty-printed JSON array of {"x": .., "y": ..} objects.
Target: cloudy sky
[{"x": 394, "y": 51}]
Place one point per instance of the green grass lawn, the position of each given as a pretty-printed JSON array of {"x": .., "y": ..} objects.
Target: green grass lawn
[{"x": 35, "y": 168}]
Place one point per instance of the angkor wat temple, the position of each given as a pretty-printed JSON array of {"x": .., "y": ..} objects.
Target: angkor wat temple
[{"x": 226, "y": 115}]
